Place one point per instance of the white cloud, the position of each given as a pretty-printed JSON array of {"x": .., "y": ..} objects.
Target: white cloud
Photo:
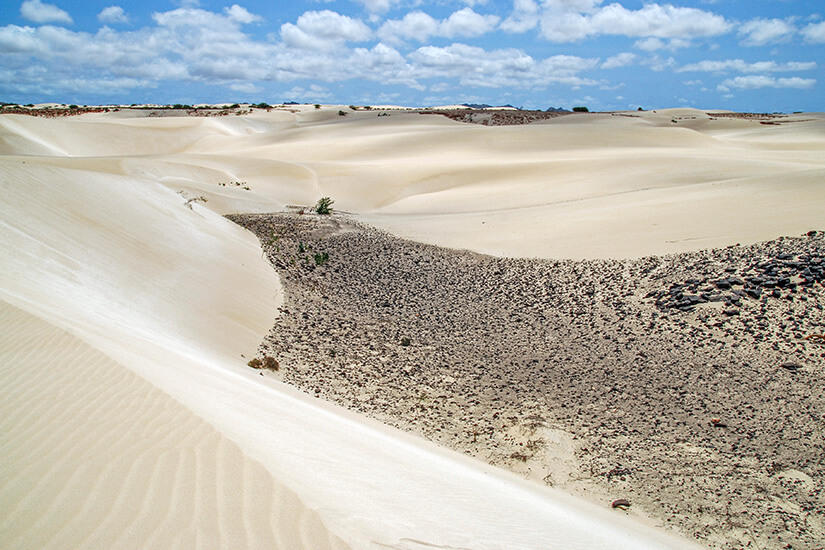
[
  {"x": 756, "y": 82},
  {"x": 657, "y": 63},
  {"x": 759, "y": 32},
  {"x": 323, "y": 30},
  {"x": 38, "y": 12},
  {"x": 525, "y": 16},
  {"x": 245, "y": 87},
  {"x": 473, "y": 66},
  {"x": 14, "y": 39},
  {"x": 814, "y": 33},
  {"x": 312, "y": 93},
  {"x": 240, "y": 14},
  {"x": 652, "y": 20},
  {"x": 742, "y": 66},
  {"x": 378, "y": 6},
  {"x": 468, "y": 23},
  {"x": 416, "y": 25},
  {"x": 579, "y": 6},
  {"x": 653, "y": 44},
  {"x": 113, "y": 14},
  {"x": 420, "y": 26},
  {"x": 619, "y": 60}
]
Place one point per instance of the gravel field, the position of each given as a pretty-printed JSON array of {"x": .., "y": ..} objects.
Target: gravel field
[{"x": 689, "y": 385}]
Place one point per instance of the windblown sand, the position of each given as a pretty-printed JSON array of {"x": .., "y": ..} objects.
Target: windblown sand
[{"x": 131, "y": 307}]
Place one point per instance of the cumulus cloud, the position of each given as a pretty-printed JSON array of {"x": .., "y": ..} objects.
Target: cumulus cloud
[
  {"x": 619, "y": 60},
  {"x": 38, "y": 12},
  {"x": 240, "y": 14},
  {"x": 525, "y": 16},
  {"x": 323, "y": 30},
  {"x": 468, "y": 23},
  {"x": 814, "y": 33},
  {"x": 112, "y": 14},
  {"x": 761, "y": 81},
  {"x": 571, "y": 5},
  {"x": 759, "y": 32},
  {"x": 420, "y": 26},
  {"x": 742, "y": 66},
  {"x": 378, "y": 6},
  {"x": 416, "y": 25},
  {"x": 473, "y": 66},
  {"x": 653, "y": 44},
  {"x": 313, "y": 92},
  {"x": 652, "y": 20}
]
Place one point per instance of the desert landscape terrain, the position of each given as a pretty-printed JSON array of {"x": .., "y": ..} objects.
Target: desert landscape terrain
[{"x": 599, "y": 330}]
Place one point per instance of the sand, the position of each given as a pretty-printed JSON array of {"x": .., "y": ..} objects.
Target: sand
[{"x": 115, "y": 248}]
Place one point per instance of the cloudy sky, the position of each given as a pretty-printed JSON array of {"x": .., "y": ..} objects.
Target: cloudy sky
[{"x": 733, "y": 54}]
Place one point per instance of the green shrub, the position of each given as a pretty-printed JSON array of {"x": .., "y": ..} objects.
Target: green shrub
[
  {"x": 317, "y": 105},
  {"x": 321, "y": 258},
  {"x": 324, "y": 205},
  {"x": 581, "y": 110},
  {"x": 342, "y": 113}
]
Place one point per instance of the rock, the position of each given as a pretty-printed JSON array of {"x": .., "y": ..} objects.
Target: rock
[
  {"x": 793, "y": 367},
  {"x": 621, "y": 503},
  {"x": 405, "y": 341}
]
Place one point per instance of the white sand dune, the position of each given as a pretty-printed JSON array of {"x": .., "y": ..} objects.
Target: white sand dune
[
  {"x": 96, "y": 457},
  {"x": 131, "y": 307}
]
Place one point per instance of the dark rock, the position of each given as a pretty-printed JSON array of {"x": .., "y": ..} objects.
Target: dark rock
[
  {"x": 722, "y": 284},
  {"x": 793, "y": 367}
]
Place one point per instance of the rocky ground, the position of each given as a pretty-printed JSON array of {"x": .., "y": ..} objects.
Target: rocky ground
[
  {"x": 495, "y": 117},
  {"x": 690, "y": 385}
]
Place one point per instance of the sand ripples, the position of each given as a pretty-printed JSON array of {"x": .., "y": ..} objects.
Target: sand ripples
[{"x": 95, "y": 457}]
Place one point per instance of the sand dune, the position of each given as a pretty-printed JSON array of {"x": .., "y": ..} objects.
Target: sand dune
[
  {"x": 678, "y": 179},
  {"x": 96, "y": 457},
  {"x": 118, "y": 263}
]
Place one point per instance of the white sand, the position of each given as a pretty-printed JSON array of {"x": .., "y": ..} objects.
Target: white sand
[{"x": 104, "y": 260}]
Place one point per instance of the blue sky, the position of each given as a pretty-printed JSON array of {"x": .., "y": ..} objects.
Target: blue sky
[{"x": 732, "y": 54}]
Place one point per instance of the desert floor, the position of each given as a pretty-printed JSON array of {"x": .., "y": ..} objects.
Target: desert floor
[{"x": 609, "y": 306}]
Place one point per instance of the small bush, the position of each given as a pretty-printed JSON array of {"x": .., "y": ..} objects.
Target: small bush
[
  {"x": 342, "y": 113},
  {"x": 255, "y": 363},
  {"x": 270, "y": 363},
  {"x": 581, "y": 110},
  {"x": 321, "y": 258},
  {"x": 317, "y": 105},
  {"x": 324, "y": 205}
]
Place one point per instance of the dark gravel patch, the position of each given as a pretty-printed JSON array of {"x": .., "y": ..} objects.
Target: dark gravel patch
[{"x": 686, "y": 409}]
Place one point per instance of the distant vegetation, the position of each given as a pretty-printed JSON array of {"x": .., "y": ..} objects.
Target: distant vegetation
[{"x": 581, "y": 110}]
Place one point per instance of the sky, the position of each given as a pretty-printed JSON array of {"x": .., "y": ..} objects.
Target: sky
[{"x": 765, "y": 56}]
